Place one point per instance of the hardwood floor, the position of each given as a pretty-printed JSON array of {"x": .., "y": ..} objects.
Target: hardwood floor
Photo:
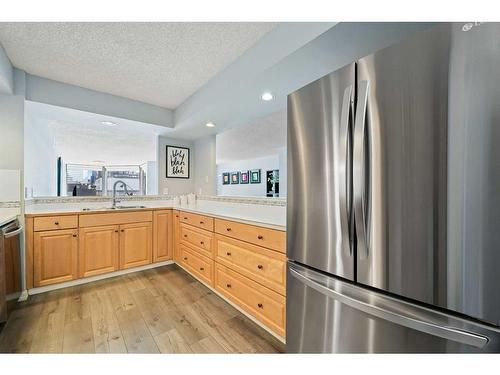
[{"x": 162, "y": 310}]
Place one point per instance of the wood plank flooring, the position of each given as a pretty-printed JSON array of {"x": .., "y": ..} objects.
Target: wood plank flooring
[{"x": 162, "y": 310}]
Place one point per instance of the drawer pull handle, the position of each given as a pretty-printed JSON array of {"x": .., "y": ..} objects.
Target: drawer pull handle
[
  {"x": 261, "y": 306},
  {"x": 185, "y": 236},
  {"x": 228, "y": 229},
  {"x": 228, "y": 285},
  {"x": 228, "y": 254},
  {"x": 201, "y": 242},
  {"x": 260, "y": 237},
  {"x": 260, "y": 266},
  {"x": 116, "y": 231},
  {"x": 185, "y": 258},
  {"x": 123, "y": 230},
  {"x": 74, "y": 235},
  {"x": 185, "y": 218},
  {"x": 201, "y": 222},
  {"x": 56, "y": 223},
  {"x": 202, "y": 269}
]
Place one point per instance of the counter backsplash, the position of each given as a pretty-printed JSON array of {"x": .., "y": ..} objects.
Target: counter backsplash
[{"x": 243, "y": 200}]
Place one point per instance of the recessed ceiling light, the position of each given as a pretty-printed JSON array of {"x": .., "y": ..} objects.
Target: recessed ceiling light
[
  {"x": 267, "y": 96},
  {"x": 210, "y": 124},
  {"x": 108, "y": 123},
  {"x": 98, "y": 161}
]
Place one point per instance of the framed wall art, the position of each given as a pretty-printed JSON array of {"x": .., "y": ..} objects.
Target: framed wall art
[
  {"x": 177, "y": 162},
  {"x": 244, "y": 177},
  {"x": 235, "y": 178},
  {"x": 255, "y": 176},
  {"x": 226, "y": 178}
]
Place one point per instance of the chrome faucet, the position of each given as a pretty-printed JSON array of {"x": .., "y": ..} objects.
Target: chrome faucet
[{"x": 124, "y": 185}]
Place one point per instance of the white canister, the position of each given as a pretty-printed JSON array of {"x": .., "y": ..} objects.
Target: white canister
[{"x": 183, "y": 199}]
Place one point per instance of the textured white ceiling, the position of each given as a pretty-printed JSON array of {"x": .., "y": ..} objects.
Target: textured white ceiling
[
  {"x": 79, "y": 137},
  {"x": 262, "y": 137},
  {"x": 156, "y": 63}
]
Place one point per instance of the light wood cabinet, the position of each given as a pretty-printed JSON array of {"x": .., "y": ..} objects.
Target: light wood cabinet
[
  {"x": 98, "y": 251},
  {"x": 200, "y": 221},
  {"x": 176, "y": 238},
  {"x": 162, "y": 235},
  {"x": 198, "y": 239},
  {"x": 135, "y": 245},
  {"x": 200, "y": 266},
  {"x": 265, "y": 266},
  {"x": 264, "y": 304},
  {"x": 55, "y": 222},
  {"x": 270, "y": 238},
  {"x": 55, "y": 256}
]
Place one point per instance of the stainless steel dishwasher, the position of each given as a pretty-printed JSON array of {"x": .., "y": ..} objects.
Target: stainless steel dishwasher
[{"x": 9, "y": 239}]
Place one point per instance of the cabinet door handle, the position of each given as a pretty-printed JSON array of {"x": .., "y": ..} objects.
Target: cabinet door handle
[
  {"x": 228, "y": 285},
  {"x": 123, "y": 230},
  {"x": 74, "y": 235},
  {"x": 185, "y": 258},
  {"x": 228, "y": 254},
  {"x": 201, "y": 242},
  {"x": 260, "y": 237},
  {"x": 202, "y": 269},
  {"x": 260, "y": 266},
  {"x": 261, "y": 306},
  {"x": 56, "y": 223},
  {"x": 185, "y": 236},
  {"x": 185, "y": 218},
  {"x": 201, "y": 222},
  {"x": 228, "y": 229}
]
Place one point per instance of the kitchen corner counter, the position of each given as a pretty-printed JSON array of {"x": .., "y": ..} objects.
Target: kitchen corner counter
[
  {"x": 9, "y": 214},
  {"x": 270, "y": 216}
]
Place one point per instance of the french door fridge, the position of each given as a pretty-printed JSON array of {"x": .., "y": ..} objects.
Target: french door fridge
[{"x": 393, "y": 227}]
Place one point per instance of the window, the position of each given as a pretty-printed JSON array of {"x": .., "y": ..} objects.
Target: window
[{"x": 84, "y": 180}]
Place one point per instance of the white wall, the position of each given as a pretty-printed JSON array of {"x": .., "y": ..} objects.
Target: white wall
[
  {"x": 254, "y": 190},
  {"x": 11, "y": 131},
  {"x": 40, "y": 159},
  {"x": 205, "y": 169},
  {"x": 174, "y": 186},
  {"x": 6, "y": 73}
]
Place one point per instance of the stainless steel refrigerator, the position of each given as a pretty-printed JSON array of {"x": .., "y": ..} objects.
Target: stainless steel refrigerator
[{"x": 393, "y": 228}]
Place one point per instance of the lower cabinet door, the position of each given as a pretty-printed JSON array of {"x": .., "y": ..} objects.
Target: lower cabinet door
[
  {"x": 55, "y": 256},
  {"x": 262, "y": 303},
  {"x": 162, "y": 235},
  {"x": 135, "y": 245},
  {"x": 99, "y": 250}
]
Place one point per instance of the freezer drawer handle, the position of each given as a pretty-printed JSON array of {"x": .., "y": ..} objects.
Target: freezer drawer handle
[{"x": 444, "y": 332}]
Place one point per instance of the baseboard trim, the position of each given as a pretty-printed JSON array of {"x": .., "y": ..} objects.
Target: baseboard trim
[
  {"x": 48, "y": 288},
  {"x": 249, "y": 316}
]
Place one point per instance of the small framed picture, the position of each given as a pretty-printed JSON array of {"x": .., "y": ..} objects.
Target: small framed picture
[
  {"x": 255, "y": 176},
  {"x": 244, "y": 177},
  {"x": 235, "y": 178},
  {"x": 226, "y": 179},
  {"x": 177, "y": 162}
]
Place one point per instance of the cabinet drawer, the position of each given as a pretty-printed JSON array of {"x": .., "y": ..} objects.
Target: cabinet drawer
[
  {"x": 199, "y": 265},
  {"x": 262, "y": 265},
  {"x": 264, "y": 304},
  {"x": 200, "y": 239},
  {"x": 200, "y": 221},
  {"x": 115, "y": 218},
  {"x": 270, "y": 238},
  {"x": 55, "y": 222}
]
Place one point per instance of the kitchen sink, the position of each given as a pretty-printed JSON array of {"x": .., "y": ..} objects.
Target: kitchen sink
[{"x": 112, "y": 208}]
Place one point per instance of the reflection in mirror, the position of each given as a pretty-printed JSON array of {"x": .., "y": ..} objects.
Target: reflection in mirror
[{"x": 251, "y": 159}]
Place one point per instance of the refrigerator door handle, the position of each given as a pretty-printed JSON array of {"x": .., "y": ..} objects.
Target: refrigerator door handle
[
  {"x": 343, "y": 168},
  {"x": 396, "y": 317},
  {"x": 359, "y": 173}
]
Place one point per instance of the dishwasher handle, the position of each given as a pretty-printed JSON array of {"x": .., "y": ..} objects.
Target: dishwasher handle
[{"x": 12, "y": 233}]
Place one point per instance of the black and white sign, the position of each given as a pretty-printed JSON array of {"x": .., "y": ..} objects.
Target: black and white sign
[{"x": 177, "y": 162}]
